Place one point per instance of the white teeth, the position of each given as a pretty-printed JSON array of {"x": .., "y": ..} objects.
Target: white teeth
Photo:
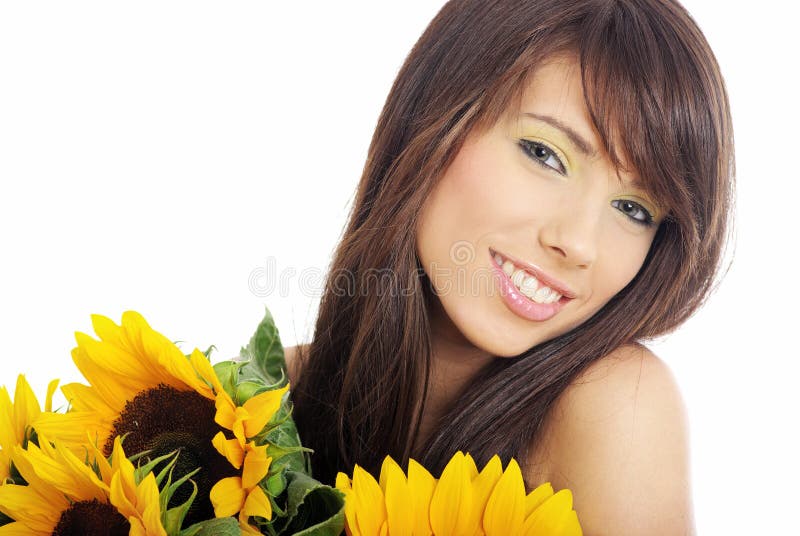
[
  {"x": 554, "y": 297},
  {"x": 527, "y": 291},
  {"x": 530, "y": 283},
  {"x": 527, "y": 284},
  {"x": 542, "y": 295},
  {"x": 517, "y": 278}
]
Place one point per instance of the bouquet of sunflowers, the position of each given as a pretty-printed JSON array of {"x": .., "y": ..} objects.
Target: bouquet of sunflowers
[{"x": 160, "y": 443}]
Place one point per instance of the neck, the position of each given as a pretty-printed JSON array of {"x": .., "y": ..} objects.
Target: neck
[{"x": 454, "y": 361}]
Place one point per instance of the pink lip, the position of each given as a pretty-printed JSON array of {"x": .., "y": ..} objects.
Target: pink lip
[
  {"x": 537, "y": 272},
  {"x": 520, "y": 304}
]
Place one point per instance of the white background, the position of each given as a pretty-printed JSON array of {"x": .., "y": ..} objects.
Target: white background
[{"x": 164, "y": 157}]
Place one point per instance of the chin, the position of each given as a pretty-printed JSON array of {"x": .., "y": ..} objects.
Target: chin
[{"x": 502, "y": 342}]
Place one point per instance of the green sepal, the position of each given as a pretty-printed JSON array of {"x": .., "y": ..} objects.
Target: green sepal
[
  {"x": 142, "y": 470},
  {"x": 275, "y": 484},
  {"x": 245, "y": 390},
  {"x": 172, "y": 518},
  {"x": 206, "y": 353},
  {"x": 228, "y": 374},
  {"x": 223, "y": 526}
]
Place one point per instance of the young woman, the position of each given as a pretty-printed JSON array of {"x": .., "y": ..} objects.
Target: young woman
[{"x": 548, "y": 184}]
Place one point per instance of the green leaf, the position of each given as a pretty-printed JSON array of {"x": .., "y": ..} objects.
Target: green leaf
[
  {"x": 224, "y": 526},
  {"x": 313, "y": 509},
  {"x": 264, "y": 354}
]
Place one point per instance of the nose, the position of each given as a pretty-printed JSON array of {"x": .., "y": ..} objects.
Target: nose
[{"x": 572, "y": 235}]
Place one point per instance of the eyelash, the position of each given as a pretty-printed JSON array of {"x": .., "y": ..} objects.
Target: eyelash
[{"x": 529, "y": 147}]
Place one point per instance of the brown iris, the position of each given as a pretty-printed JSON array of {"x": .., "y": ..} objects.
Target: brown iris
[{"x": 163, "y": 420}]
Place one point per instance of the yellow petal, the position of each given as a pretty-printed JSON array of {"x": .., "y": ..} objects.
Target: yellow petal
[
  {"x": 71, "y": 428},
  {"x": 203, "y": 368},
  {"x": 26, "y": 407},
  {"x": 62, "y": 470},
  {"x": 227, "y": 496},
  {"x": 257, "y": 504},
  {"x": 230, "y": 448},
  {"x": 125, "y": 481},
  {"x": 119, "y": 497},
  {"x": 100, "y": 359},
  {"x": 343, "y": 482},
  {"x": 505, "y": 509},
  {"x": 226, "y": 410},
  {"x": 261, "y": 408},
  {"x": 247, "y": 528},
  {"x": 482, "y": 486},
  {"x": 51, "y": 389},
  {"x": 111, "y": 388},
  {"x": 399, "y": 502},
  {"x": 18, "y": 529},
  {"x": 137, "y": 527},
  {"x": 555, "y": 517},
  {"x": 256, "y": 465},
  {"x": 8, "y": 433},
  {"x": 34, "y": 511},
  {"x": 369, "y": 502},
  {"x": 151, "y": 518},
  {"x": 537, "y": 497},
  {"x": 26, "y": 469},
  {"x": 157, "y": 353},
  {"x": 472, "y": 469},
  {"x": 421, "y": 485},
  {"x": 147, "y": 493},
  {"x": 452, "y": 500}
]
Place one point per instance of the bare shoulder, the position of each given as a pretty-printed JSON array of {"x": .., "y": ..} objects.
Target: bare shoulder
[
  {"x": 618, "y": 438},
  {"x": 292, "y": 355}
]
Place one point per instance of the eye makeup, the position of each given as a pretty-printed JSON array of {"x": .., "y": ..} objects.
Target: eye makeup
[{"x": 542, "y": 153}]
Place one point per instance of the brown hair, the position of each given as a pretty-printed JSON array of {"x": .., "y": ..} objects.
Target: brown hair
[{"x": 656, "y": 96}]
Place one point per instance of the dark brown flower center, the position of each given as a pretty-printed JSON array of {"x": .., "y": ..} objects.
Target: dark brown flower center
[
  {"x": 164, "y": 420},
  {"x": 91, "y": 517}
]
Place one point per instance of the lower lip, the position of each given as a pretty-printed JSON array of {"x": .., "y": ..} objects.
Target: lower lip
[{"x": 520, "y": 304}]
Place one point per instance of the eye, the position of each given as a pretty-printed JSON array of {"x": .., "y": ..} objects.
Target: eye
[
  {"x": 634, "y": 211},
  {"x": 542, "y": 154}
]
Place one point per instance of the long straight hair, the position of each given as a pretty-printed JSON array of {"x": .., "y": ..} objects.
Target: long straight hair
[{"x": 656, "y": 96}]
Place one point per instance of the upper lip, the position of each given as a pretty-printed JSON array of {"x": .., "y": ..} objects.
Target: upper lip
[{"x": 538, "y": 273}]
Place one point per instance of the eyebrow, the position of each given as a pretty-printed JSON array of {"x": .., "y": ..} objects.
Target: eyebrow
[
  {"x": 577, "y": 140},
  {"x": 583, "y": 146}
]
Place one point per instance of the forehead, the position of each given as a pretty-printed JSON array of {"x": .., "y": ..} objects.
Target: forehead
[{"x": 555, "y": 89}]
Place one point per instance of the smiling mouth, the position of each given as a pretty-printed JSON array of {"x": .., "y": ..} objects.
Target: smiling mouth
[
  {"x": 526, "y": 291},
  {"x": 531, "y": 281}
]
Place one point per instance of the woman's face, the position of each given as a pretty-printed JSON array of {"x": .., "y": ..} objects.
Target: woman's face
[{"x": 531, "y": 230}]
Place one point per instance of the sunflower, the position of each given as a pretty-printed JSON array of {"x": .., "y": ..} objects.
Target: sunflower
[
  {"x": 16, "y": 419},
  {"x": 142, "y": 387},
  {"x": 463, "y": 501},
  {"x": 66, "y": 496},
  {"x": 243, "y": 494}
]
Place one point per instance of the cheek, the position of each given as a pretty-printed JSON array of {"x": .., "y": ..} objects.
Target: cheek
[
  {"x": 463, "y": 205},
  {"x": 621, "y": 262}
]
